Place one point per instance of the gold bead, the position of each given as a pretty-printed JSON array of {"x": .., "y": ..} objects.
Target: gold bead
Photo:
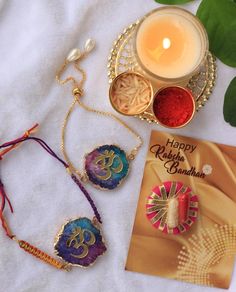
[
  {"x": 78, "y": 91},
  {"x": 84, "y": 178},
  {"x": 131, "y": 156}
]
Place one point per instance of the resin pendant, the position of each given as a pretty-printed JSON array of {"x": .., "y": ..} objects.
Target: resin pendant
[
  {"x": 80, "y": 242},
  {"x": 172, "y": 207},
  {"x": 106, "y": 166}
]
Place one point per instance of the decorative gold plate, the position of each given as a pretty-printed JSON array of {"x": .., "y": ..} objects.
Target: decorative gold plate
[{"x": 122, "y": 58}]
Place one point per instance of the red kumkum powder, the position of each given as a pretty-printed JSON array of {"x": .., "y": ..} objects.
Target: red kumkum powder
[{"x": 173, "y": 106}]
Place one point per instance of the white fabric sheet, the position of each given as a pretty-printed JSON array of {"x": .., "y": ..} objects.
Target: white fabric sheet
[{"x": 35, "y": 36}]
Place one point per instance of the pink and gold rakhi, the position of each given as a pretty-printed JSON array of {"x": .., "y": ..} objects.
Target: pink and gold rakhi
[{"x": 172, "y": 207}]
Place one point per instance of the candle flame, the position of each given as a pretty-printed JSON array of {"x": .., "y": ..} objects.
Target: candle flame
[
  {"x": 166, "y": 43},
  {"x": 161, "y": 49}
]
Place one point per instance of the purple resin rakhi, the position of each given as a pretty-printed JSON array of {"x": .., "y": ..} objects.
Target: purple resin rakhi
[
  {"x": 106, "y": 166},
  {"x": 79, "y": 242}
]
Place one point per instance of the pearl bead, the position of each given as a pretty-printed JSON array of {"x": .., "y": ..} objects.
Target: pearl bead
[
  {"x": 89, "y": 45},
  {"x": 74, "y": 55}
]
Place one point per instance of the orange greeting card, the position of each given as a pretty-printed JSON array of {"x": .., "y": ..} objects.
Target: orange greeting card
[{"x": 184, "y": 227}]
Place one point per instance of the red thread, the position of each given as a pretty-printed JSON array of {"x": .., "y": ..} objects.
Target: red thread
[
  {"x": 173, "y": 106},
  {"x": 3, "y": 194},
  {"x": 12, "y": 144},
  {"x": 26, "y": 134},
  {"x": 4, "y": 197}
]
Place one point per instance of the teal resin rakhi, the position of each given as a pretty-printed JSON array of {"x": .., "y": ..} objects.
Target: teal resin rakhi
[{"x": 107, "y": 165}]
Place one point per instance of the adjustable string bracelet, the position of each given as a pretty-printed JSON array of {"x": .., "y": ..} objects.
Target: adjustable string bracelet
[
  {"x": 106, "y": 166},
  {"x": 79, "y": 242}
]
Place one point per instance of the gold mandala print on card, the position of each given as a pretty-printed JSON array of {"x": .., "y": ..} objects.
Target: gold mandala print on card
[{"x": 204, "y": 253}]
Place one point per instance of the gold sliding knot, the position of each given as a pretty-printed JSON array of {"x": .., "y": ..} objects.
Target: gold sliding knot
[{"x": 78, "y": 91}]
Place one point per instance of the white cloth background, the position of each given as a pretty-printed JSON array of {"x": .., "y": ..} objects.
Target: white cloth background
[{"x": 35, "y": 36}]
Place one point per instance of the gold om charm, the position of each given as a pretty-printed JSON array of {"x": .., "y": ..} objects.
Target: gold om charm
[
  {"x": 106, "y": 161},
  {"x": 78, "y": 240},
  {"x": 106, "y": 166}
]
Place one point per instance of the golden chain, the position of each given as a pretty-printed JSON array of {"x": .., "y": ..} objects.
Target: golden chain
[
  {"x": 78, "y": 92},
  {"x": 76, "y": 84}
]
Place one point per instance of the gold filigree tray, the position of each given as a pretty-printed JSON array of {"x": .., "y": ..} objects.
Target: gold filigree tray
[{"x": 122, "y": 58}]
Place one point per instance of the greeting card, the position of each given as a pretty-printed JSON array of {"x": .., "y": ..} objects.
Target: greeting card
[{"x": 184, "y": 227}]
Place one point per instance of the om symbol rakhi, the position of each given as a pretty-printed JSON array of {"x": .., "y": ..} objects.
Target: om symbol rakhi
[
  {"x": 106, "y": 166},
  {"x": 172, "y": 207},
  {"x": 79, "y": 241}
]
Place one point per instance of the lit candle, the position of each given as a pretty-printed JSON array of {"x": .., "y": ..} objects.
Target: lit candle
[{"x": 171, "y": 43}]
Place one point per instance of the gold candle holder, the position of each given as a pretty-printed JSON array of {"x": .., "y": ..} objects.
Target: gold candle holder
[{"x": 123, "y": 58}]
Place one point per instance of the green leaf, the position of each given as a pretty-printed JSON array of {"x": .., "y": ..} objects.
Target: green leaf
[
  {"x": 173, "y": 2},
  {"x": 219, "y": 19},
  {"x": 230, "y": 103}
]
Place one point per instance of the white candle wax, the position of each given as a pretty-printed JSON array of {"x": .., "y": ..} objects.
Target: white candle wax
[{"x": 171, "y": 43}]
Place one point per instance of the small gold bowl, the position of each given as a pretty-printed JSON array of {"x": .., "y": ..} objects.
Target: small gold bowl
[
  {"x": 173, "y": 106},
  {"x": 130, "y": 93}
]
